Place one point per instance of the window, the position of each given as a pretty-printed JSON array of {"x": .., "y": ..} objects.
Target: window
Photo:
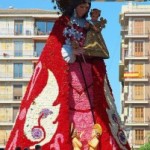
[
  {"x": 17, "y": 92},
  {"x": 139, "y": 114},
  {"x": 5, "y": 115},
  {"x": 43, "y": 27},
  {"x": 138, "y": 91},
  {"x": 3, "y": 112},
  {"x": 38, "y": 48},
  {"x": 18, "y": 48},
  {"x": 4, "y": 134},
  {"x": 18, "y": 70},
  {"x": 138, "y": 51},
  {"x": 34, "y": 64},
  {"x": 15, "y": 112},
  {"x": 139, "y": 136},
  {"x": 18, "y": 27},
  {"x": 139, "y": 68},
  {"x": 138, "y": 26}
]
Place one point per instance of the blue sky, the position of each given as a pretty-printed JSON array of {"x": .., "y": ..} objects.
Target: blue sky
[{"x": 110, "y": 11}]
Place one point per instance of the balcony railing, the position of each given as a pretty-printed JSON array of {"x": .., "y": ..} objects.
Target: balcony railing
[
  {"x": 7, "y": 97},
  {"x": 125, "y": 28},
  {"x": 12, "y": 53},
  {"x": 25, "y": 32},
  {"x": 136, "y": 122},
  {"x": 11, "y": 75},
  {"x": 138, "y": 142},
  {"x": 138, "y": 33},
  {"x": 136, "y": 55},
  {"x": 139, "y": 79},
  {"x": 137, "y": 101},
  {"x": 3, "y": 141},
  {"x": 146, "y": 33}
]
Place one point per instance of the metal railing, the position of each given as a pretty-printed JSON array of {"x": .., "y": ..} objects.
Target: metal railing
[
  {"x": 18, "y": 53},
  {"x": 13, "y": 75},
  {"x": 138, "y": 121},
  {"x": 136, "y": 55},
  {"x": 26, "y": 31},
  {"x": 6, "y": 97},
  {"x": 10, "y": 97},
  {"x": 130, "y": 97},
  {"x": 3, "y": 141},
  {"x": 138, "y": 33}
]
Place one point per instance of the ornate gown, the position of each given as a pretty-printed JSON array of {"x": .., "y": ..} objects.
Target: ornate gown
[
  {"x": 58, "y": 94},
  {"x": 94, "y": 43}
]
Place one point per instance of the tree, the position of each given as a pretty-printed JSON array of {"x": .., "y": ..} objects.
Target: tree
[{"x": 145, "y": 147}]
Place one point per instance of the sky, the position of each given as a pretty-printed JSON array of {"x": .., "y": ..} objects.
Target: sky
[{"x": 110, "y": 11}]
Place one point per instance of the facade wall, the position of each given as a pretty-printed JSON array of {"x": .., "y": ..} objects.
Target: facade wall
[
  {"x": 136, "y": 60},
  {"x": 17, "y": 62}
]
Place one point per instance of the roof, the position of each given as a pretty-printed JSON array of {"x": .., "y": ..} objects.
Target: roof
[{"x": 26, "y": 12}]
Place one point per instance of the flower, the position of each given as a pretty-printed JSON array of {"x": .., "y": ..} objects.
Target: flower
[
  {"x": 74, "y": 33},
  {"x": 45, "y": 112},
  {"x": 37, "y": 133}
]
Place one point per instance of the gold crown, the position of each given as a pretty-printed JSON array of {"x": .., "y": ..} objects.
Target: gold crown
[{"x": 98, "y": 128}]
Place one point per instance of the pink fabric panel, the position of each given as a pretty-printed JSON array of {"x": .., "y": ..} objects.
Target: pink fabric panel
[{"x": 80, "y": 113}]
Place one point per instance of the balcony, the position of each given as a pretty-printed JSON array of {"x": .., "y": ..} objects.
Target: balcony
[
  {"x": 4, "y": 136},
  {"x": 24, "y": 33},
  {"x": 133, "y": 101},
  {"x": 144, "y": 35},
  {"x": 136, "y": 123},
  {"x": 7, "y": 98},
  {"x": 124, "y": 30},
  {"x": 6, "y": 124},
  {"x": 137, "y": 144},
  {"x": 135, "y": 77},
  {"x": 136, "y": 57},
  {"x": 142, "y": 79},
  {"x": 9, "y": 76},
  {"x": 18, "y": 55}
]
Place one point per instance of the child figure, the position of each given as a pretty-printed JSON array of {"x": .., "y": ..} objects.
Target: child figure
[
  {"x": 94, "y": 43},
  {"x": 76, "y": 143},
  {"x": 96, "y": 132}
]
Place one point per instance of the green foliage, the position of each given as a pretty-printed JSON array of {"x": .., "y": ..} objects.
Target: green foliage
[{"x": 145, "y": 147}]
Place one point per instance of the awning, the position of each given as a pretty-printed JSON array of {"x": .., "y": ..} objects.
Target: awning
[{"x": 131, "y": 75}]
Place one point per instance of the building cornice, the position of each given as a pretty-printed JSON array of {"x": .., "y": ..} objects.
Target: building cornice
[{"x": 35, "y": 13}]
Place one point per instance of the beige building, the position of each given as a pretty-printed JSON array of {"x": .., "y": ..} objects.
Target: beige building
[
  {"x": 23, "y": 34},
  {"x": 135, "y": 72}
]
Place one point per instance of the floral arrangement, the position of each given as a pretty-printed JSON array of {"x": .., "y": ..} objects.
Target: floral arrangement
[{"x": 75, "y": 35}]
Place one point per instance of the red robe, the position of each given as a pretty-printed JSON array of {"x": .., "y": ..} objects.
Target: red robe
[{"x": 44, "y": 112}]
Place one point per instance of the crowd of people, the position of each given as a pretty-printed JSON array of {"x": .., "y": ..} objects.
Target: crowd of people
[{"x": 37, "y": 147}]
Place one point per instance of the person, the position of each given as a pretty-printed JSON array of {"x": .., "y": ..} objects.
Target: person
[
  {"x": 38, "y": 147},
  {"x": 26, "y": 148},
  {"x": 68, "y": 87},
  {"x": 18, "y": 148},
  {"x": 94, "y": 43}
]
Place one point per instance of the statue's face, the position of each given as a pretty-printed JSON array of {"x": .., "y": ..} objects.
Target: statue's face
[
  {"x": 95, "y": 15},
  {"x": 82, "y": 9}
]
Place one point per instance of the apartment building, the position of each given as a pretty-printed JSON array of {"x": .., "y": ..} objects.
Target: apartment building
[
  {"x": 23, "y": 34},
  {"x": 135, "y": 72}
]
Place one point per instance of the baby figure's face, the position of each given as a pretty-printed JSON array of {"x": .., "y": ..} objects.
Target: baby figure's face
[{"x": 95, "y": 15}]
